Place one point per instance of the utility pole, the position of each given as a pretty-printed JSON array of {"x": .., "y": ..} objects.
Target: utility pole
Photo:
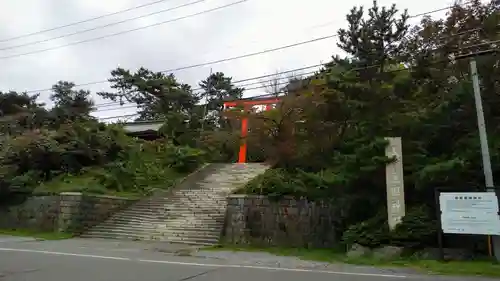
[
  {"x": 483, "y": 137},
  {"x": 494, "y": 241}
]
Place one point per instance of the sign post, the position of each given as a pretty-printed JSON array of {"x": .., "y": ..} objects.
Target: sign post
[
  {"x": 468, "y": 213},
  {"x": 395, "y": 183}
]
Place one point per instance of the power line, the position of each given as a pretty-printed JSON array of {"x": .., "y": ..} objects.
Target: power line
[
  {"x": 132, "y": 105},
  {"x": 290, "y": 71},
  {"x": 265, "y": 51},
  {"x": 440, "y": 9},
  {"x": 217, "y": 61},
  {"x": 138, "y": 17},
  {"x": 247, "y": 55},
  {"x": 83, "y": 21},
  {"x": 100, "y": 27},
  {"x": 363, "y": 68},
  {"x": 125, "y": 31},
  {"x": 121, "y": 116},
  {"x": 250, "y": 54},
  {"x": 117, "y": 104}
]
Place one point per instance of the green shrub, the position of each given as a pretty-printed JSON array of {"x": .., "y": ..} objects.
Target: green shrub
[
  {"x": 183, "y": 159},
  {"x": 280, "y": 182},
  {"x": 91, "y": 157},
  {"x": 35, "y": 156},
  {"x": 371, "y": 233},
  {"x": 417, "y": 229}
]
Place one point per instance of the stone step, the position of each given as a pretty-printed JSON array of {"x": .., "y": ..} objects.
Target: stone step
[
  {"x": 131, "y": 220},
  {"x": 195, "y": 229},
  {"x": 155, "y": 205},
  {"x": 141, "y": 210},
  {"x": 180, "y": 219},
  {"x": 131, "y": 214},
  {"x": 124, "y": 231},
  {"x": 119, "y": 232},
  {"x": 196, "y": 195},
  {"x": 198, "y": 202},
  {"x": 191, "y": 228},
  {"x": 192, "y": 214},
  {"x": 202, "y": 200},
  {"x": 207, "y": 189},
  {"x": 191, "y": 234},
  {"x": 193, "y": 241},
  {"x": 197, "y": 205},
  {"x": 195, "y": 212},
  {"x": 119, "y": 227},
  {"x": 178, "y": 203},
  {"x": 191, "y": 217},
  {"x": 191, "y": 205},
  {"x": 156, "y": 198},
  {"x": 193, "y": 220},
  {"x": 190, "y": 225},
  {"x": 190, "y": 243},
  {"x": 188, "y": 196},
  {"x": 116, "y": 236}
]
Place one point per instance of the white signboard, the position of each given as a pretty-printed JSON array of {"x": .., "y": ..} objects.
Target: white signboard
[
  {"x": 469, "y": 213},
  {"x": 394, "y": 182}
]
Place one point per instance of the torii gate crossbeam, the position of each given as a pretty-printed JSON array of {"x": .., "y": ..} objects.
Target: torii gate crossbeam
[{"x": 267, "y": 103}]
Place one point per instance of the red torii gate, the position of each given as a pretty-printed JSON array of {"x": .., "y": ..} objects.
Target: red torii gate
[{"x": 266, "y": 103}]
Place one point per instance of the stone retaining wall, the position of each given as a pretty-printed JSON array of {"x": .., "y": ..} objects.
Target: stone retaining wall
[
  {"x": 71, "y": 212},
  {"x": 256, "y": 220}
]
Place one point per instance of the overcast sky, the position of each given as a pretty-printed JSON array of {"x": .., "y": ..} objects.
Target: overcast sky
[{"x": 248, "y": 27}]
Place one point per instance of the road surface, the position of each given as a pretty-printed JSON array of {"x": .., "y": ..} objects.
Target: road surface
[{"x": 84, "y": 260}]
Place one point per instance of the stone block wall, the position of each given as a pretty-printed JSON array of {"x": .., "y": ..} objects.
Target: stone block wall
[
  {"x": 259, "y": 221},
  {"x": 78, "y": 212},
  {"x": 36, "y": 213},
  {"x": 71, "y": 212}
]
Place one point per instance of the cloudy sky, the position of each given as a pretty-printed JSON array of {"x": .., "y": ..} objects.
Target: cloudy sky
[{"x": 246, "y": 27}]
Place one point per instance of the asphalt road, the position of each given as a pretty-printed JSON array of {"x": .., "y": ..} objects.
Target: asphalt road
[{"x": 96, "y": 260}]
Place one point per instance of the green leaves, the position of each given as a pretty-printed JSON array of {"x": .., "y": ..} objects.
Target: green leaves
[
  {"x": 155, "y": 93},
  {"x": 70, "y": 105}
]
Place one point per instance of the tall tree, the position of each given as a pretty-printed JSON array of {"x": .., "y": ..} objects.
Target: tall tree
[
  {"x": 19, "y": 112},
  {"x": 216, "y": 89},
  {"x": 70, "y": 104},
  {"x": 376, "y": 40},
  {"x": 160, "y": 97},
  {"x": 157, "y": 95}
]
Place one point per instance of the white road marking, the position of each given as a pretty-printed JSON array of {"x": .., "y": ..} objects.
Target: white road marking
[{"x": 203, "y": 264}]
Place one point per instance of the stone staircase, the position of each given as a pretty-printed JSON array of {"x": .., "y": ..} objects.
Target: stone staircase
[{"x": 191, "y": 213}]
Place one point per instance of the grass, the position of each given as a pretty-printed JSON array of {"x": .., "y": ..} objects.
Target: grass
[
  {"x": 457, "y": 268},
  {"x": 35, "y": 234},
  {"x": 88, "y": 183},
  {"x": 84, "y": 183}
]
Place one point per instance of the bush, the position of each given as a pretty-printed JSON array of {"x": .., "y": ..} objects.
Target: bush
[
  {"x": 146, "y": 166},
  {"x": 281, "y": 182},
  {"x": 183, "y": 159},
  {"x": 417, "y": 229},
  {"x": 371, "y": 233}
]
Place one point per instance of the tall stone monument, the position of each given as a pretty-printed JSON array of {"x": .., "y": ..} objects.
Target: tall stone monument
[{"x": 394, "y": 182}]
